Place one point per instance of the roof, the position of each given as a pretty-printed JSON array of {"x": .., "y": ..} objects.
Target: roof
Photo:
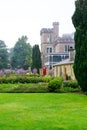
[{"x": 64, "y": 62}]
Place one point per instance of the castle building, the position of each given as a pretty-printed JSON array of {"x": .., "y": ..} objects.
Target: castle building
[{"x": 53, "y": 47}]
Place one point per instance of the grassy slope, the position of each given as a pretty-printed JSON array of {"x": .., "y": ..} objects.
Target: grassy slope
[{"x": 43, "y": 112}]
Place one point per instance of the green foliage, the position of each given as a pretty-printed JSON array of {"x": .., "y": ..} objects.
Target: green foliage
[
  {"x": 20, "y": 79},
  {"x": 23, "y": 88},
  {"x": 23, "y": 83},
  {"x": 55, "y": 84},
  {"x": 85, "y": 93},
  {"x": 32, "y": 84},
  {"x": 69, "y": 90},
  {"x": 21, "y": 55},
  {"x": 29, "y": 89},
  {"x": 36, "y": 58},
  {"x": 47, "y": 78},
  {"x": 71, "y": 83},
  {"x": 3, "y": 56},
  {"x": 80, "y": 23},
  {"x": 70, "y": 86},
  {"x": 24, "y": 78}
]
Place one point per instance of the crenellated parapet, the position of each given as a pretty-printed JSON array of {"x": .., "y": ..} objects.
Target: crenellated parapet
[{"x": 46, "y": 30}]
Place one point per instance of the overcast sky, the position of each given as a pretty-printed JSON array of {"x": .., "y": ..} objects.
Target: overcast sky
[{"x": 27, "y": 17}]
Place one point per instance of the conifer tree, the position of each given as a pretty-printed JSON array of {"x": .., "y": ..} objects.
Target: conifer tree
[
  {"x": 79, "y": 19},
  {"x": 36, "y": 58}
]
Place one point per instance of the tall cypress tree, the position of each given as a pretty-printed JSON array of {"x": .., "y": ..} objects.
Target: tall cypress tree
[
  {"x": 80, "y": 23},
  {"x": 36, "y": 58},
  {"x": 3, "y": 55}
]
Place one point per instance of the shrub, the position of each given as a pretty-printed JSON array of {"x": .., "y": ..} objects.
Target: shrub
[
  {"x": 85, "y": 93},
  {"x": 23, "y": 88},
  {"x": 47, "y": 78},
  {"x": 20, "y": 79},
  {"x": 71, "y": 83},
  {"x": 69, "y": 90},
  {"x": 55, "y": 84}
]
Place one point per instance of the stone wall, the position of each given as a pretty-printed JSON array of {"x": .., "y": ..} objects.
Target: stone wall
[{"x": 65, "y": 71}]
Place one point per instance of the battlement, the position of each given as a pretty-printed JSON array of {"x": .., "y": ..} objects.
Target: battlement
[
  {"x": 46, "y": 30},
  {"x": 55, "y": 23},
  {"x": 65, "y": 40}
]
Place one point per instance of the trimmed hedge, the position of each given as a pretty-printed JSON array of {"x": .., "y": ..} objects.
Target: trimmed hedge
[
  {"x": 23, "y": 79},
  {"x": 41, "y": 84},
  {"x": 24, "y": 88},
  {"x": 55, "y": 84},
  {"x": 71, "y": 83}
]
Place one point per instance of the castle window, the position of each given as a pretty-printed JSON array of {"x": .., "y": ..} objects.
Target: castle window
[
  {"x": 49, "y": 50},
  {"x": 49, "y": 38},
  {"x": 66, "y": 48}
]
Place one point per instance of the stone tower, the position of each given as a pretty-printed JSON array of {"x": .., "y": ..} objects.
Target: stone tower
[
  {"x": 46, "y": 42},
  {"x": 48, "y": 36},
  {"x": 55, "y": 30}
]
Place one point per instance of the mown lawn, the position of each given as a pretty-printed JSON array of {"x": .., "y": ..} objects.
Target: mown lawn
[{"x": 38, "y": 111}]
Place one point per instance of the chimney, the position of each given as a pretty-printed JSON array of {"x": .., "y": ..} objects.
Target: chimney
[{"x": 71, "y": 54}]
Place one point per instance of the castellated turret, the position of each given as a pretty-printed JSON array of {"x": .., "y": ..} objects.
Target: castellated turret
[
  {"x": 55, "y": 30},
  {"x": 49, "y": 35},
  {"x": 46, "y": 35}
]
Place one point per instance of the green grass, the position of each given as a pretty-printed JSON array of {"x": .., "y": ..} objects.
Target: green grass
[
  {"x": 38, "y": 111},
  {"x": 20, "y": 87}
]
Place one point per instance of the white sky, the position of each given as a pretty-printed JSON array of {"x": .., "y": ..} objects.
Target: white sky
[{"x": 27, "y": 17}]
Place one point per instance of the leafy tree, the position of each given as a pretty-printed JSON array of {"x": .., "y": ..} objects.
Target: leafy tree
[
  {"x": 3, "y": 55},
  {"x": 36, "y": 58},
  {"x": 22, "y": 54},
  {"x": 10, "y": 53},
  {"x": 80, "y": 23}
]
